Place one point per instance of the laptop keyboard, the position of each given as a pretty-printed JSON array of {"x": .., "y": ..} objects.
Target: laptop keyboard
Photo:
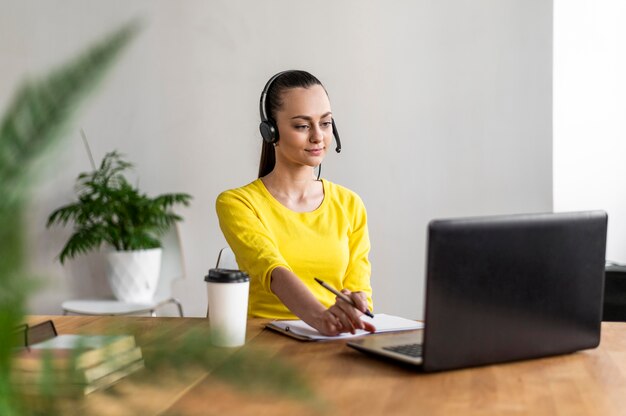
[{"x": 412, "y": 350}]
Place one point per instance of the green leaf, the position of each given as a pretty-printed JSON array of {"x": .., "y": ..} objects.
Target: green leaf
[
  {"x": 42, "y": 108},
  {"x": 35, "y": 119},
  {"x": 110, "y": 210}
]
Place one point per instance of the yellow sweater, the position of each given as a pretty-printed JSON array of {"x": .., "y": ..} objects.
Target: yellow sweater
[{"x": 331, "y": 243}]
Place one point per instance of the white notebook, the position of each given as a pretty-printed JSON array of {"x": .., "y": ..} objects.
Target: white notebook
[{"x": 383, "y": 323}]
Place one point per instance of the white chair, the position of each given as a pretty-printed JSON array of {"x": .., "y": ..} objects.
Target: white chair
[
  {"x": 172, "y": 267},
  {"x": 226, "y": 259}
]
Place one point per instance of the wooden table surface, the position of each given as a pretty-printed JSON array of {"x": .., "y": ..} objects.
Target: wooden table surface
[{"x": 347, "y": 382}]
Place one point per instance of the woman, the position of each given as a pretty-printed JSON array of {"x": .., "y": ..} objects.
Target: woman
[{"x": 288, "y": 227}]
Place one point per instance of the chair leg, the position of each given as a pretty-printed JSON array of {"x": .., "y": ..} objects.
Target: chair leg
[{"x": 180, "y": 307}]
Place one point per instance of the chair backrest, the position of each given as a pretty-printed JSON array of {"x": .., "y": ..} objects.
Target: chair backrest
[
  {"x": 172, "y": 264},
  {"x": 226, "y": 259}
]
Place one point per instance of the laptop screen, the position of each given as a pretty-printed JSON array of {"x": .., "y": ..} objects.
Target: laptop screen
[{"x": 513, "y": 287}]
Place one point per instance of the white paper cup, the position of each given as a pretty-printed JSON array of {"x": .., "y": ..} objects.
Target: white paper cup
[{"x": 228, "y": 306}]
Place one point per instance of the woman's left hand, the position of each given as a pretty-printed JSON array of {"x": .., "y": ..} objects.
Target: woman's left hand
[{"x": 348, "y": 317}]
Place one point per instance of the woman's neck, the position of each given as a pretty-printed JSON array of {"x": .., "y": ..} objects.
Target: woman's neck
[
  {"x": 289, "y": 180},
  {"x": 298, "y": 190}
]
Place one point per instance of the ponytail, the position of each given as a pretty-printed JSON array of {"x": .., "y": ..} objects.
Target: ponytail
[{"x": 268, "y": 159}]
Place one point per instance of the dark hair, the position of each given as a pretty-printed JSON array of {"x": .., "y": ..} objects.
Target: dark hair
[{"x": 274, "y": 102}]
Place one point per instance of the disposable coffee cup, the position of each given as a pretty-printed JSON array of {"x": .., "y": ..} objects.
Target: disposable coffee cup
[{"x": 228, "y": 306}]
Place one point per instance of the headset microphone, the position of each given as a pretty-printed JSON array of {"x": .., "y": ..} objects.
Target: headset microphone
[{"x": 336, "y": 134}]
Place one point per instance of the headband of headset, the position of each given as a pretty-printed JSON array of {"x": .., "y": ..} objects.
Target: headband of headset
[{"x": 268, "y": 128}]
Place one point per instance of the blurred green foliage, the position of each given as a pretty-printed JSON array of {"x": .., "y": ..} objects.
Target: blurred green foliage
[{"x": 36, "y": 119}]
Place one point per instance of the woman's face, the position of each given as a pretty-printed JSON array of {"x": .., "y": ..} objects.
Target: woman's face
[{"x": 305, "y": 126}]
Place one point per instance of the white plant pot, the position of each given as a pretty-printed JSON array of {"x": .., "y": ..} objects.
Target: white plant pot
[{"x": 134, "y": 275}]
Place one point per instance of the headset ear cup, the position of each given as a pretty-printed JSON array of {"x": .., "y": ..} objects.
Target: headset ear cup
[{"x": 269, "y": 132}]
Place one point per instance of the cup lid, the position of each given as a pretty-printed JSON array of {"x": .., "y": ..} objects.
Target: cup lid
[{"x": 226, "y": 276}]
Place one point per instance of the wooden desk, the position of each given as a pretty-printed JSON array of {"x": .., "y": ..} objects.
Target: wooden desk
[{"x": 590, "y": 382}]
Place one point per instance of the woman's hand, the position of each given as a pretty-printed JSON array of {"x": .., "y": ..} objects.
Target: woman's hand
[{"x": 343, "y": 317}]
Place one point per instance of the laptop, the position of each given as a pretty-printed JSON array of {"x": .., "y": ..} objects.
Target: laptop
[{"x": 505, "y": 288}]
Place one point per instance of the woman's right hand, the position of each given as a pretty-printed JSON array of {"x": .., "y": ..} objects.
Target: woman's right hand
[
  {"x": 339, "y": 318},
  {"x": 343, "y": 317}
]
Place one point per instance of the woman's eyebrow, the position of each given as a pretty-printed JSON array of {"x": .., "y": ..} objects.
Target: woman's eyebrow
[{"x": 310, "y": 118}]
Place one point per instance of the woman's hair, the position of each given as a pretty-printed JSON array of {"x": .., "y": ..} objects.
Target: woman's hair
[{"x": 274, "y": 102}]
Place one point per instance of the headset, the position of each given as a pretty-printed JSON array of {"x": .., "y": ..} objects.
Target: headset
[{"x": 268, "y": 128}]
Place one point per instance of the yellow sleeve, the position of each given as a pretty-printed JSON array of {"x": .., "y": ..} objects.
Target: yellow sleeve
[
  {"x": 359, "y": 269},
  {"x": 255, "y": 250}
]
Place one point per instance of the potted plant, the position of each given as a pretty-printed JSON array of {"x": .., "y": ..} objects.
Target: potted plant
[{"x": 111, "y": 211}]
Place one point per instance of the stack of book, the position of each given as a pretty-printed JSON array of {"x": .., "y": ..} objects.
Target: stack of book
[{"x": 75, "y": 364}]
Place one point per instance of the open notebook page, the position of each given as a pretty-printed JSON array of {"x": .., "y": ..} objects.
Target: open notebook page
[{"x": 382, "y": 322}]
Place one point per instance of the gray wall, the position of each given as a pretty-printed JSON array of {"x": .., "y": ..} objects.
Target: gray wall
[{"x": 444, "y": 108}]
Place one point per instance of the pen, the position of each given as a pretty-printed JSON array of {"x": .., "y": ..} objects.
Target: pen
[{"x": 341, "y": 296}]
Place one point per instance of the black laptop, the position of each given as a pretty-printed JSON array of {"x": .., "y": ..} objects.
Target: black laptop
[{"x": 506, "y": 288}]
